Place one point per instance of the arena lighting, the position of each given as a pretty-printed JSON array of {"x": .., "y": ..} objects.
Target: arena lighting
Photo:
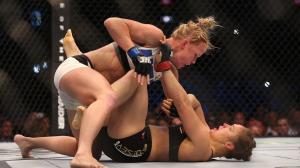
[
  {"x": 166, "y": 2},
  {"x": 36, "y": 68},
  {"x": 166, "y": 19},
  {"x": 236, "y": 31},
  {"x": 36, "y": 18},
  {"x": 45, "y": 65},
  {"x": 267, "y": 84}
]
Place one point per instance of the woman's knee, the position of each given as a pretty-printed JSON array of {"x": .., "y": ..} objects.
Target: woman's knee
[{"x": 109, "y": 97}]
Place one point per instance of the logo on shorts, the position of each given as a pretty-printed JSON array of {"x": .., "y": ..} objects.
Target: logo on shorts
[{"x": 128, "y": 152}]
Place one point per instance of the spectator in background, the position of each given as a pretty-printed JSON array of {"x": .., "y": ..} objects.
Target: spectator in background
[
  {"x": 36, "y": 124},
  {"x": 270, "y": 120},
  {"x": 6, "y": 130},
  {"x": 223, "y": 117},
  {"x": 239, "y": 118},
  {"x": 284, "y": 129},
  {"x": 28, "y": 123},
  {"x": 43, "y": 125},
  {"x": 294, "y": 119},
  {"x": 256, "y": 127},
  {"x": 259, "y": 113}
]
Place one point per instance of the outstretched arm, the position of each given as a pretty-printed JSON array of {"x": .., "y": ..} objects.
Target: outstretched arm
[{"x": 192, "y": 124}]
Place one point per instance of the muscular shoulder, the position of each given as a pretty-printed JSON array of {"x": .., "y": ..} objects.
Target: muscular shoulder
[
  {"x": 153, "y": 35},
  {"x": 147, "y": 34},
  {"x": 143, "y": 34}
]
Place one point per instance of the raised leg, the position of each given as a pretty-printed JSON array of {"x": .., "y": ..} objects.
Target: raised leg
[{"x": 69, "y": 45}]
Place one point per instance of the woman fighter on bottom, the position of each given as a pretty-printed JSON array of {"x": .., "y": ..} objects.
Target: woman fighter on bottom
[{"x": 125, "y": 137}]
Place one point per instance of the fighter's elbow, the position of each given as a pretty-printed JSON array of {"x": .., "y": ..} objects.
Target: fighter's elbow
[
  {"x": 157, "y": 34},
  {"x": 183, "y": 101},
  {"x": 194, "y": 101},
  {"x": 111, "y": 20}
]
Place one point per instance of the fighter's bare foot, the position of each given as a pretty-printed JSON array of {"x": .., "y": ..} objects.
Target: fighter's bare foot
[
  {"x": 78, "y": 116},
  {"x": 85, "y": 161},
  {"x": 69, "y": 45},
  {"x": 24, "y": 145}
]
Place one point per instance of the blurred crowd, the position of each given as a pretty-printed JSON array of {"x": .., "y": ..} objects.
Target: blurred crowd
[
  {"x": 262, "y": 122},
  {"x": 35, "y": 124}
]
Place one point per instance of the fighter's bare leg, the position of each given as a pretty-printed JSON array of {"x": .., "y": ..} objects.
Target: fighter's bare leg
[
  {"x": 76, "y": 122},
  {"x": 131, "y": 107},
  {"x": 124, "y": 89},
  {"x": 69, "y": 45},
  {"x": 60, "y": 144},
  {"x": 130, "y": 117},
  {"x": 24, "y": 146},
  {"x": 93, "y": 90},
  {"x": 65, "y": 145}
]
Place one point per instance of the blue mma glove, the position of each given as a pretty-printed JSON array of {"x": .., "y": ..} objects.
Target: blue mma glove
[{"x": 141, "y": 62}]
